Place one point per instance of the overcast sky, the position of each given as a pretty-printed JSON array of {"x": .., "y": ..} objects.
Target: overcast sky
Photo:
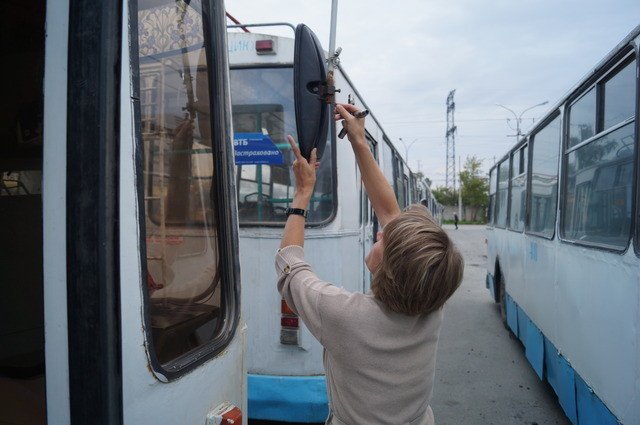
[{"x": 404, "y": 57}]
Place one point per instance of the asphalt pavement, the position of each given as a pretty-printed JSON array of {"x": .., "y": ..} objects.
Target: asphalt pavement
[{"x": 482, "y": 374}]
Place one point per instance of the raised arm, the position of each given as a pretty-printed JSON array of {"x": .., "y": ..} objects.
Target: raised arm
[
  {"x": 305, "y": 174},
  {"x": 378, "y": 188}
]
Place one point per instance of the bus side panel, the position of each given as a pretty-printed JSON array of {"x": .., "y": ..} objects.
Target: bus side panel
[
  {"x": 266, "y": 354},
  {"x": 597, "y": 320},
  {"x": 513, "y": 263},
  {"x": 540, "y": 302},
  {"x": 501, "y": 247}
]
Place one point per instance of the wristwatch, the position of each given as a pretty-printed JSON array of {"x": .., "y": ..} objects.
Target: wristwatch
[{"x": 296, "y": 211}]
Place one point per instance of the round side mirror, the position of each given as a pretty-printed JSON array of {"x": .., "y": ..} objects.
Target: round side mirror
[{"x": 310, "y": 88}]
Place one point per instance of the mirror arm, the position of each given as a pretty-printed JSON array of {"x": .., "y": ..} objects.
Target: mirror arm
[{"x": 327, "y": 90}]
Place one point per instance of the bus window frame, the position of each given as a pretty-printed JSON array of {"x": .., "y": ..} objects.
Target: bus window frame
[
  {"x": 507, "y": 157},
  {"x": 375, "y": 150},
  {"x": 532, "y": 140},
  {"x": 407, "y": 189},
  {"x": 387, "y": 149},
  {"x": 606, "y": 72},
  {"x": 365, "y": 205},
  {"x": 398, "y": 176},
  {"x": 226, "y": 203},
  {"x": 334, "y": 169},
  {"x": 492, "y": 211},
  {"x": 513, "y": 153}
]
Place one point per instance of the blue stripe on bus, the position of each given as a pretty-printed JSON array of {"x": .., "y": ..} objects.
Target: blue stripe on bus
[
  {"x": 561, "y": 376},
  {"x": 287, "y": 398},
  {"x": 578, "y": 401},
  {"x": 535, "y": 348},
  {"x": 591, "y": 410},
  {"x": 522, "y": 325}
]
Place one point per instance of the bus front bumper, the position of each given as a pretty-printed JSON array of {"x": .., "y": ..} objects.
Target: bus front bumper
[{"x": 287, "y": 398}]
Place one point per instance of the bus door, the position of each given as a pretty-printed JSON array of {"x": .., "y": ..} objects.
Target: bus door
[
  {"x": 139, "y": 236},
  {"x": 191, "y": 370},
  {"x": 369, "y": 221}
]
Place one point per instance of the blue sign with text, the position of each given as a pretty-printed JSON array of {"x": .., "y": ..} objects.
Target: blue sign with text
[{"x": 256, "y": 148}]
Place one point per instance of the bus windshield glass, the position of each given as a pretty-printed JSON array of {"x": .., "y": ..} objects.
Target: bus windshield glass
[{"x": 263, "y": 113}]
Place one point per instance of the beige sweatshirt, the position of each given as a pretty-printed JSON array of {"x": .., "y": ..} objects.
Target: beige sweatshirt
[{"x": 380, "y": 365}]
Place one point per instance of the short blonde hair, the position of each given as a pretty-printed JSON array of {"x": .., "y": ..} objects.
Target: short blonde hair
[{"x": 420, "y": 268}]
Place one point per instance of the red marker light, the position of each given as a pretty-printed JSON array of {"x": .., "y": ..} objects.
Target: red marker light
[
  {"x": 289, "y": 322},
  {"x": 289, "y": 325},
  {"x": 264, "y": 47}
]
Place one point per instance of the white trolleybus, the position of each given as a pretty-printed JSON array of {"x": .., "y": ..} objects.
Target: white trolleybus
[
  {"x": 564, "y": 241},
  {"x": 286, "y": 375},
  {"x": 120, "y": 271}
]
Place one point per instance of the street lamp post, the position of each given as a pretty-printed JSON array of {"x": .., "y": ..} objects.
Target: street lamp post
[
  {"x": 519, "y": 117},
  {"x": 406, "y": 148}
]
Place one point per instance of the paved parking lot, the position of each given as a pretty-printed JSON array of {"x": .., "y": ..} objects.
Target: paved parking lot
[{"x": 482, "y": 375}]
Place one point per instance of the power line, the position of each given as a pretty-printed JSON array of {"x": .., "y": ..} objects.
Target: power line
[
  {"x": 464, "y": 136},
  {"x": 444, "y": 122}
]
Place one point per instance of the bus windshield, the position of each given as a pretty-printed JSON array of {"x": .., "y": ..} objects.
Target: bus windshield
[{"x": 262, "y": 103}]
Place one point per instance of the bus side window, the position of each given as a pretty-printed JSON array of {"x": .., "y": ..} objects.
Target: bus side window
[
  {"x": 543, "y": 198},
  {"x": 493, "y": 182},
  {"x": 599, "y": 181},
  {"x": 388, "y": 166},
  {"x": 502, "y": 197},
  {"x": 518, "y": 189}
]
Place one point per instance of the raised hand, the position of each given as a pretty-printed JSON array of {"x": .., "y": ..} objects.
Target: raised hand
[
  {"x": 353, "y": 125},
  {"x": 304, "y": 171}
]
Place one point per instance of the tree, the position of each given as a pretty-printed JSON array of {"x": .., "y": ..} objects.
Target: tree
[
  {"x": 474, "y": 186},
  {"x": 445, "y": 195}
]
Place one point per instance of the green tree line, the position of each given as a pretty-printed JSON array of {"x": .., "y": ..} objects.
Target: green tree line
[{"x": 474, "y": 186}]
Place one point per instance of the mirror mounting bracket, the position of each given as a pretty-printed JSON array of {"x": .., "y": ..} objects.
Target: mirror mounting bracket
[{"x": 327, "y": 90}]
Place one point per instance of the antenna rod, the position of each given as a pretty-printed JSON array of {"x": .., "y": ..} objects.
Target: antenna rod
[
  {"x": 235, "y": 21},
  {"x": 332, "y": 34}
]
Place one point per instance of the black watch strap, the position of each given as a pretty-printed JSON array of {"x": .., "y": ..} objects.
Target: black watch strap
[{"x": 297, "y": 211}]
